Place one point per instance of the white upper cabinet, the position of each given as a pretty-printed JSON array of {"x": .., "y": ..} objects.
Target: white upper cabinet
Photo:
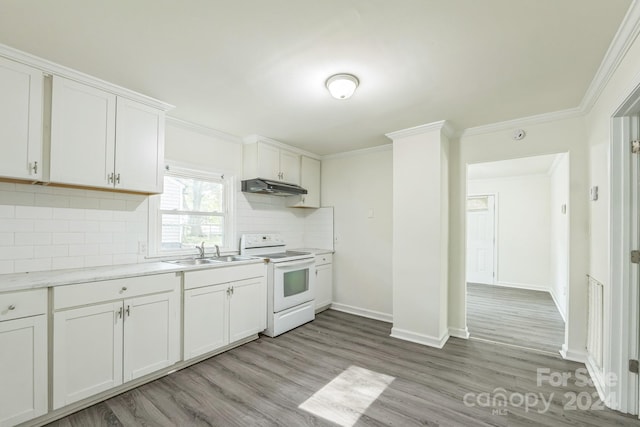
[
  {"x": 139, "y": 147},
  {"x": 83, "y": 132},
  {"x": 21, "y": 89},
  {"x": 264, "y": 160},
  {"x": 289, "y": 167},
  {"x": 101, "y": 140},
  {"x": 309, "y": 180},
  {"x": 268, "y": 162}
]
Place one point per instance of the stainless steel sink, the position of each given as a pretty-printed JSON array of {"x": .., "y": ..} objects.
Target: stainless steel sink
[
  {"x": 232, "y": 258},
  {"x": 213, "y": 260},
  {"x": 196, "y": 261}
]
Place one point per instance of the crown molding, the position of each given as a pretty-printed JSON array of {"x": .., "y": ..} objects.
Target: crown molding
[
  {"x": 359, "y": 152},
  {"x": 442, "y": 125},
  {"x": 49, "y": 67},
  {"x": 252, "y": 139},
  {"x": 622, "y": 41},
  {"x": 203, "y": 130},
  {"x": 523, "y": 122}
]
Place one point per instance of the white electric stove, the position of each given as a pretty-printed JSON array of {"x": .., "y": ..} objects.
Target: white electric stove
[{"x": 290, "y": 281}]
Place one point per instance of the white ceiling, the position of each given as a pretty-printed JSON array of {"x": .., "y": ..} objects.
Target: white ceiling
[
  {"x": 259, "y": 67},
  {"x": 537, "y": 165}
]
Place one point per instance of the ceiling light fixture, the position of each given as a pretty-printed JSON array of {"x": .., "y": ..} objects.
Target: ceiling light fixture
[{"x": 342, "y": 86}]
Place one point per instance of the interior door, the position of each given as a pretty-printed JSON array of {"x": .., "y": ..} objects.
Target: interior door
[{"x": 481, "y": 239}]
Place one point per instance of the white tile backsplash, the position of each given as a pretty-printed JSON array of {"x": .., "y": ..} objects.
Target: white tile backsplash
[{"x": 45, "y": 228}]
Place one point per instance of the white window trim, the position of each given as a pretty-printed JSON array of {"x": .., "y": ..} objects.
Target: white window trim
[{"x": 191, "y": 171}]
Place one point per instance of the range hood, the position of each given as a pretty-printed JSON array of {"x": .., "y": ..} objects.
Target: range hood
[{"x": 275, "y": 188}]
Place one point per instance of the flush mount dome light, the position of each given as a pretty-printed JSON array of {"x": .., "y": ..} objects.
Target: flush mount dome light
[{"x": 342, "y": 86}]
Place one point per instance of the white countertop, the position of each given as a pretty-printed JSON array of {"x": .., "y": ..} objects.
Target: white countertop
[{"x": 44, "y": 279}]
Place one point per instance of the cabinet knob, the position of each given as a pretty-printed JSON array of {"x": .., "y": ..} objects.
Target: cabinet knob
[
  {"x": 12, "y": 307},
  {"x": 124, "y": 288}
]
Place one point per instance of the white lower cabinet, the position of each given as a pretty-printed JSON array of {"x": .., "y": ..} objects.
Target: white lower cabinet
[
  {"x": 23, "y": 356},
  {"x": 101, "y": 345},
  {"x": 222, "y": 306},
  {"x": 324, "y": 281}
]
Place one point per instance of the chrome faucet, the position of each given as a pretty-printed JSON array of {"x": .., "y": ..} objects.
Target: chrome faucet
[
  {"x": 201, "y": 249},
  {"x": 217, "y": 251}
]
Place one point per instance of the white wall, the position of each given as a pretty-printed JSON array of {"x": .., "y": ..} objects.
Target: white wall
[
  {"x": 420, "y": 235},
  {"x": 355, "y": 184},
  {"x": 47, "y": 228},
  {"x": 524, "y": 228},
  {"x": 567, "y": 135},
  {"x": 559, "y": 253}
]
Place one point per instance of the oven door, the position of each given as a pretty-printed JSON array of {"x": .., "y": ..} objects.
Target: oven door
[{"x": 293, "y": 283}]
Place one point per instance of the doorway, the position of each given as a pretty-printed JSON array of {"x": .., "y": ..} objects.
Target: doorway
[
  {"x": 517, "y": 251},
  {"x": 481, "y": 238}
]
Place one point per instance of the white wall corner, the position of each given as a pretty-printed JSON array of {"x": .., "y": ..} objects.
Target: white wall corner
[
  {"x": 625, "y": 36},
  {"x": 459, "y": 333},
  {"x": 362, "y": 312},
  {"x": 417, "y": 338},
  {"x": 573, "y": 355},
  {"x": 445, "y": 127},
  {"x": 558, "y": 306}
]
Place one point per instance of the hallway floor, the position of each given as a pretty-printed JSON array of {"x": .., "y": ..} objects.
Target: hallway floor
[{"x": 513, "y": 316}]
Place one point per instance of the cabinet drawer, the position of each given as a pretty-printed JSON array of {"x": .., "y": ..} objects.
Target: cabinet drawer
[
  {"x": 214, "y": 276},
  {"x": 14, "y": 305},
  {"x": 109, "y": 290},
  {"x": 324, "y": 259}
]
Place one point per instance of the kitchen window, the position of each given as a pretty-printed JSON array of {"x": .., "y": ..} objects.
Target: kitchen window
[{"x": 195, "y": 207}]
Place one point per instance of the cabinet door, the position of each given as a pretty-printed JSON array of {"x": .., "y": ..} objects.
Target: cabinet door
[
  {"x": 324, "y": 285},
  {"x": 20, "y": 120},
  {"x": 206, "y": 326},
  {"x": 139, "y": 147},
  {"x": 247, "y": 308},
  {"x": 268, "y": 162},
  {"x": 23, "y": 369},
  {"x": 87, "y": 352},
  {"x": 289, "y": 167},
  {"x": 151, "y": 334},
  {"x": 83, "y": 124}
]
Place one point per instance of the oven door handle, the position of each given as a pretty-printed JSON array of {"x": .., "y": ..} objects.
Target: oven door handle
[{"x": 296, "y": 263}]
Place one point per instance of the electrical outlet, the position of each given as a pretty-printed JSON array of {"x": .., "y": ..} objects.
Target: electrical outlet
[{"x": 142, "y": 248}]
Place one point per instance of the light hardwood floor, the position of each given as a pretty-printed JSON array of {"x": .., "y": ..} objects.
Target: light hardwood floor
[
  {"x": 265, "y": 382},
  {"x": 514, "y": 316}
]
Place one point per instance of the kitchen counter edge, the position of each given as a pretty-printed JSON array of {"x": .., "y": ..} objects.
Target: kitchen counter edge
[{"x": 45, "y": 279}]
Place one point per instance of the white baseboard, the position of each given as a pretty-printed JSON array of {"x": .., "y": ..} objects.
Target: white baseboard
[
  {"x": 363, "y": 312},
  {"x": 576, "y": 356},
  {"x": 560, "y": 309},
  {"x": 419, "y": 338},
  {"x": 459, "y": 333},
  {"x": 598, "y": 381},
  {"x": 527, "y": 286}
]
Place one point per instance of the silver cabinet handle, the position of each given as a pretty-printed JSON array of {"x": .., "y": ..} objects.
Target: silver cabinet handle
[
  {"x": 110, "y": 178},
  {"x": 35, "y": 167},
  {"x": 12, "y": 307},
  {"x": 120, "y": 312},
  {"x": 118, "y": 179},
  {"x": 128, "y": 311},
  {"x": 232, "y": 290},
  {"x": 316, "y": 272}
]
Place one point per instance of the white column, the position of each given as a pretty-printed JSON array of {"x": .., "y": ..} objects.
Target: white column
[{"x": 420, "y": 234}]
